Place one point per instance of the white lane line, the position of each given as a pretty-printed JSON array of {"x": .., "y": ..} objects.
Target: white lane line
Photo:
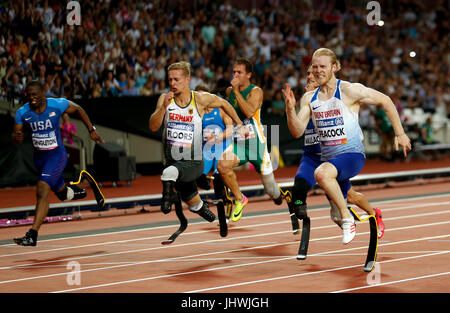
[
  {"x": 215, "y": 241},
  {"x": 213, "y": 253},
  {"x": 239, "y": 227},
  {"x": 234, "y": 266},
  {"x": 393, "y": 282},
  {"x": 337, "y": 254},
  {"x": 306, "y": 274},
  {"x": 321, "y": 208}
]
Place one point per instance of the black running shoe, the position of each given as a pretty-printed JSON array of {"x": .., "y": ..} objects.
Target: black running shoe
[
  {"x": 169, "y": 196},
  {"x": 30, "y": 239},
  {"x": 206, "y": 213}
]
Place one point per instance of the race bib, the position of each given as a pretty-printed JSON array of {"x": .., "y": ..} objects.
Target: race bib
[
  {"x": 330, "y": 127},
  {"x": 211, "y": 130},
  {"x": 180, "y": 134},
  {"x": 44, "y": 141},
  {"x": 311, "y": 137},
  {"x": 250, "y": 131}
]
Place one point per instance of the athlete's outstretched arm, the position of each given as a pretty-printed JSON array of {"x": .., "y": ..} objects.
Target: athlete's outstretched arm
[
  {"x": 296, "y": 122},
  {"x": 367, "y": 95},
  {"x": 74, "y": 108},
  {"x": 209, "y": 100}
]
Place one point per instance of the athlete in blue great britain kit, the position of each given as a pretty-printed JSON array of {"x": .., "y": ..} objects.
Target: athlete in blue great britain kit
[
  {"x": 311, "y": 159},
  {"x": 42, "y": 116},
  {"x": 334, "y": 108}
]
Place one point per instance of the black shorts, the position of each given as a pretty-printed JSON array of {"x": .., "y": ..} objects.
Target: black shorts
[{"x": 189, "y": 171}]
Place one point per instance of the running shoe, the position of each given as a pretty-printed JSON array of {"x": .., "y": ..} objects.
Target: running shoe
[
  {"x": 206, "y": 213},
  {"x": 30, "y": 239},
  {"x": 238, "y": 208},
  {"x": 349, "y": 230},
  {"x": 380, "y": 223}
]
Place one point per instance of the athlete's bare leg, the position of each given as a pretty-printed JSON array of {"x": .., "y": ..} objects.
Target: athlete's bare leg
[{"x": 225, "y": 166}]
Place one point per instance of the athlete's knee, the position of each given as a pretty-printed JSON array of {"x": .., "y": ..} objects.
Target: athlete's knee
[
  {"x": 170, "y": 173},
  {"x": 321, "y": 176},
  {"x": 42, "y": 190},
  {"x": 224, "y": 166}
]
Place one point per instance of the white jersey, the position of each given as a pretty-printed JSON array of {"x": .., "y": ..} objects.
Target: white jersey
[
  {"x": 182, "y": 136},
  {"x": 337, "y": 126}
]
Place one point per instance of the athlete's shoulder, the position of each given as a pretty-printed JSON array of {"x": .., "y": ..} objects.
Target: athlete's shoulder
[
  {"x": 24, "y": 108},
  {"x": 307, "y": 96},
  {"x": 255, "y": 88},
  {"x": 202, "y": 95},
  {"x": 256, "y": 91},
  {"x": 21, "y": 111},
  {"x": 352, "y": 89},
  {"x": 57, "y": 101},
  {"x": 58, "y": 104}
]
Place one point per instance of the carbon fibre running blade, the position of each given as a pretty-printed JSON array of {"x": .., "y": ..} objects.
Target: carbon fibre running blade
[
  {"x": 222, "y": 219},
  {"x": 95, "y": 188},
  {"x": 373, "y": 241},
  {"x": 183, "y": 223},
  {"x": 304, "y": 242},
  {"x": 294, "y": 220},
  {"x": 373, "y": 245}
]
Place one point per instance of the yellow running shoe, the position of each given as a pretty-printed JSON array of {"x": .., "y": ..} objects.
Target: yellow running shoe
[{"x": 239, "y": 207}]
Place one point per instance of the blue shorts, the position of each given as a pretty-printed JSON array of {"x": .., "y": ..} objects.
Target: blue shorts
[
  {"x": 210, "y": 157},
  {"x": 212, "y": 154},
  {"x": 51, "y": 166},
  {"x": 308, "y": 165},
  {"x": 210, "y": 164},
  {"x": 348, "y": 165}
]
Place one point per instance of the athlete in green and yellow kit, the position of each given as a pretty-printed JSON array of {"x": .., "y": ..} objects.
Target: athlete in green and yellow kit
[{"x": 247, "y": 100}]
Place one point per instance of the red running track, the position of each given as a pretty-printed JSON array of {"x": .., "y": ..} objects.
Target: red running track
[{"x": 122, "y": 253}]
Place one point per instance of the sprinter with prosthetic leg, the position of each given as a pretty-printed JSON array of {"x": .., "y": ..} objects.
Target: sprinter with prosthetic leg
[
  {"x": 180, "y": 111},
  {"x": 42, "y": 117},
  {"x": 304, "y": 180}
]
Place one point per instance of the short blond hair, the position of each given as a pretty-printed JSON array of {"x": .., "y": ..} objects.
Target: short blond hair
[
  {"x": 182, "y": 65},
  {"x": 325, "y": 51}
]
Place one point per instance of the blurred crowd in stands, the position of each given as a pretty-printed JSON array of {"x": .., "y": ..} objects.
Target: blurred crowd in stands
[{"x": 123, "y": 48}]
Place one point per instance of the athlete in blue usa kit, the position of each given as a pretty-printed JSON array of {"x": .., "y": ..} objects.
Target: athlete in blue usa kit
[{"x": 42, "y": 116}]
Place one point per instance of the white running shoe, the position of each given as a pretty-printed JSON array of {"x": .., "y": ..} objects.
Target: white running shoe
[{"x": 349, "y": 230}]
